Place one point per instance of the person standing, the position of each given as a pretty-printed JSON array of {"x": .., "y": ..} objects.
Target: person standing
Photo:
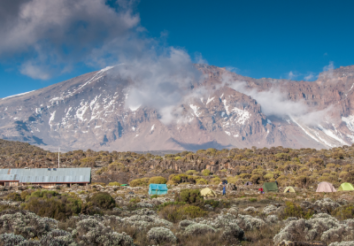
[{"x": 224, "y": 190}]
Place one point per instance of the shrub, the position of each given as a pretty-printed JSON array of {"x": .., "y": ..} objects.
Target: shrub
[
  {"x": 59, "y": 207},
  {"x": 135, "y": 200},
  {"x": 102, "y": 200},
  {"x": 25, "y": 195},
  {"x": 212, "y": 203},
  {"x": 201, "y": 181},
  {"x": 114, "y": 184},
  {"x": 206, "y": 172},
  {"x": 157, "y": 180},
  {"x": 344, "y": 212},
  {"x": 215, "y": 180},
  {"x": 98, "y": 183},
  {"x": 139, "y": 182},
  {"x": 8, "y": 239},
  {"x": 191, "y": 211},
  {"x": 44, "y": 193},
  {"x": 293, "y": 210},
  {"x": 161, "y": 235},
  {"x": 175, "y": 212},
  {"x": 14, "y": 197},
  {"x": 191, "y": 196},
  {"x": 253, "y": 199},
  {"x": 191, "y": 172}
]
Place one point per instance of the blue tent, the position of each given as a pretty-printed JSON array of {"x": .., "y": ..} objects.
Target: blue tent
[{"x": 158, "y": 189}]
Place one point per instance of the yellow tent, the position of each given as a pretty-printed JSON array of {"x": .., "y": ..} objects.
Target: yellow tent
[
  {"x": 289, "y": 189},
  {"x": 346, "y": 187},
  {"x": 206, "y": 192}
]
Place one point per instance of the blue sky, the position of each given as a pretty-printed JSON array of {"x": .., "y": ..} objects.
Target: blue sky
[{"x": 278, "y": 39}]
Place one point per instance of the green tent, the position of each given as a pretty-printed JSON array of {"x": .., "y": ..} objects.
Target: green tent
[
  {"x": 346, "y": 187},
  {"x": 124, "y": 185},
  {"x": 270, "y": 187}
]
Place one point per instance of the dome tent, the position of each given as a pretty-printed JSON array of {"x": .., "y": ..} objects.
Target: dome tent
[
  {"x": 325, "y": 187},
  {"x": 346, "y": 187},
  {"x": 269, "y": 187},
  {"x": 289, "y": 189},
  {"x": 206, "y": 192}
]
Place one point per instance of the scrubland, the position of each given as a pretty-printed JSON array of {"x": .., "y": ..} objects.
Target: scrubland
[{"x": 116, "y": 215}]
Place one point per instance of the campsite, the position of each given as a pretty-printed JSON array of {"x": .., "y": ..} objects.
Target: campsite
[{"x": 182, "y": 214}]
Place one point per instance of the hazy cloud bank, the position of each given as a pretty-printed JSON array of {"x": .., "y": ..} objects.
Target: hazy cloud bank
[
  {"x": 275, "y": 102},
  {"x": 50, "y": 37}
]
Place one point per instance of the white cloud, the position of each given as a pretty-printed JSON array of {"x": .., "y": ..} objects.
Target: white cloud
[
  {"x": 160, "y": 81},
  {"x": 275, "y": 102},
  {"x": 310, "y": 76},
  {"x": 232, "y": 69},
  {"x": 34, "y": 71},
  {"x": 63, "y": 33},
  {"x": 292, "y": 75}
]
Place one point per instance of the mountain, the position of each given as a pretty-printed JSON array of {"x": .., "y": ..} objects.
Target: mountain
[{"x": 229, "y": 110}]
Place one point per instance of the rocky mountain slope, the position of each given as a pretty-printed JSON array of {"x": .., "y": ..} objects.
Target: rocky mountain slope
[{"x": 223, "y": 110}]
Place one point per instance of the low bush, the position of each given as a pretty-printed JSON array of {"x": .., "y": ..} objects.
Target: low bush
[
  {"x": 102, "y": 200},
  {"x": 25, "y": 195},
  {"x": 98, "y": 183},
  {"x": 14, "y": 197},
  {"x": 175, "y": 212},
  {"x": 139, "y": 182},
  {"x": 44, "y": 193},
  {"x": 253, "y": 199},
  {"x": 135, "y": 200},
  {"x": 201, "y": 181},
  {"x": 60, "y": 206},
  {"x": 344, "y": 212},
  {"x": 206, "y": 172},
  {"x": 191, "y": 172},
  {"x": 212, "y": 203},
  {"x": 157, "y": 180},
  {"x": 190, "y": 196},
  {"x": 215, "y": 180},
  {"x": 293, "y": 210},
  {"x": 114, "y": 184}
]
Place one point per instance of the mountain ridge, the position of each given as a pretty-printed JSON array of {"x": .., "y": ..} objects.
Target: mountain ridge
[{"x": 225, "y": 110}]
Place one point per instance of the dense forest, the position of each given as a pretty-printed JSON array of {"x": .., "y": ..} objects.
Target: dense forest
[{"x": 298, "y": 167}]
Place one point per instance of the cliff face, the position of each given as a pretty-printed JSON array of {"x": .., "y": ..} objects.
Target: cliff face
[{"x": 229, "y": 110}]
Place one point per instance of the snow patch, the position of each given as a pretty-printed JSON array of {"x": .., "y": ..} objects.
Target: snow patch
[
  {"x": 242, "y": 115},
  {"x": 81, "y": 111},
  {"x": 269, "y": 121},
  {"x": 52, "y": 116},
  {"x": 307, "y": 133},
  {"x": 195, "y": 109},
  {"x": 349, "y": 121},
  {"x": 152, "y": 128},
  {"x": 17, "y": 95},
  {"x": 332, "y": 135},
  {"x": 225, "y": 106},
  {"x": 209, "y": 100},
  {"x": 228, "y": 133}
]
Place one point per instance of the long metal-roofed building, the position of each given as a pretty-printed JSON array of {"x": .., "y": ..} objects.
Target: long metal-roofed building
[{"x": 45, "y": 177}]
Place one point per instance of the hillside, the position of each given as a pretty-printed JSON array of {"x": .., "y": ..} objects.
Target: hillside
[
  {"x": 297, "y": 167},
  {"x": 112, "y": 110}
]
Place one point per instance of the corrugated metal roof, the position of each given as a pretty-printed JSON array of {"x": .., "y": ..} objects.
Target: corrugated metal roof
[{"x": 47, "y": 175}]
